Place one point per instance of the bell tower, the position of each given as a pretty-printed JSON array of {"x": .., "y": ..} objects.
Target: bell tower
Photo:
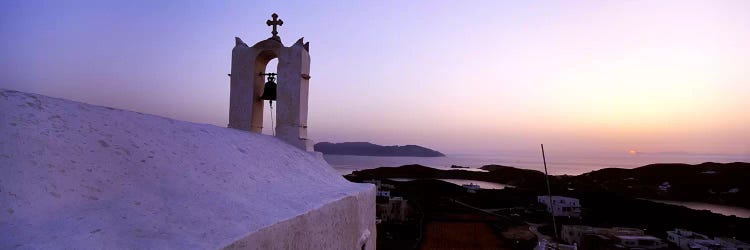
[{"x": 247, "y": 85}]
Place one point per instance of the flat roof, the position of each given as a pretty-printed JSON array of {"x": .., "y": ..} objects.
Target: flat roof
[{"x": 637, "y": 237}]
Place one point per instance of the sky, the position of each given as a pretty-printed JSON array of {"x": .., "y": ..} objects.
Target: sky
[{"x": 456, "y": 76}]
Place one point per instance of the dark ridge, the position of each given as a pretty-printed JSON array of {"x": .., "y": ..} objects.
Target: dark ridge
[
  {"x": 496, "y": 173},
  {"x": 710, "y": 182},
  {"x": 369, "y": 149},
  {"x": 716, "y": 183}
]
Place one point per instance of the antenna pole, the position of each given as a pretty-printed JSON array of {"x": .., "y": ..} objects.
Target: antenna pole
[{"x": 549, "y": 195}]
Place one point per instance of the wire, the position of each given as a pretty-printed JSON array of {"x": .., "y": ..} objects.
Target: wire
[
  {"x": 273, "y": 128},
  {"x": 551, "y": 204}
]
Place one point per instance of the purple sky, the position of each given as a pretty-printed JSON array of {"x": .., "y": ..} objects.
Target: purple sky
[{"x": 460, "y": 77}]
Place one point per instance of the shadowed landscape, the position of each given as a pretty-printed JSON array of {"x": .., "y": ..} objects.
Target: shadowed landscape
[{"x": 609, "y": 198}]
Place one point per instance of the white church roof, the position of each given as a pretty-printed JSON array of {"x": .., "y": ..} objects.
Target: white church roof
[{"x": 78, "y": 176}]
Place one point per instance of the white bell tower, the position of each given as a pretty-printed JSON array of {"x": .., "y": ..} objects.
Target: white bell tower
[{"x": 245, "y": 105}]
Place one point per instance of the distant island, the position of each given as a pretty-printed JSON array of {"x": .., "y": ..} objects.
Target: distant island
[{"x": 370, "y": 149}]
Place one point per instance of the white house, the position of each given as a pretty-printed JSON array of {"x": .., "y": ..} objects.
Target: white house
[
  {"x": 732, "y": 243},
  {"x": 688, "y": 240},
  {"x": 561, "y": 205},
  {"x": 373, "y": 181},
  {"x": 544, "y": 244},
  {"x": 619, "y": 237},
  {"x": 379, "y": 185},
  {"x": 572, "y": 234},
  {"x": 395, "y": 209},
  {"x": 471, "y": 187},
  {"x": 640, "y": 242},
  {"x": 384, "y": 193}
]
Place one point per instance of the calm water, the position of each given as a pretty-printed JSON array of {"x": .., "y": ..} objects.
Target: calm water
[
  {"x": 719, "y": 209},
  {"x": 556, "y": 164},
  {"x": 482, "y": 184}
]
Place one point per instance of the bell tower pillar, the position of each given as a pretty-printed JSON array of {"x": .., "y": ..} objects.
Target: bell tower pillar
[
  {"x": 245, "y": 105},
  {"x": 292, "y": 97}
]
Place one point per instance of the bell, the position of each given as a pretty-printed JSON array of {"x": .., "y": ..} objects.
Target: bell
[{"x": 269, "y": 90}]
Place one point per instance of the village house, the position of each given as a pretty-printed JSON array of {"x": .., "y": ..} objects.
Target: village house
[
  {"x": 561, "y": 206},
  {"x": 384, "y": 193},
  {"x": 639, "y": 242},
  {"x": 393, "y": 209},
  {"x": 689, "y": 240},
  {"x": 574, "y": 233},
  {"x": 380, "y": 185},
  {"x": 732, "y": 243},
  {"x": 587, "y": 237},
  {"x": 471, "y": 187},
  {"x": 544, "y": 244}
]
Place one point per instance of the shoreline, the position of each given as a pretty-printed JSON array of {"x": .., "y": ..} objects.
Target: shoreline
[
  {"x": 739, "y": 212},
  {"x": 721, "y": 184},
  {"x": 558, "y": 165}
]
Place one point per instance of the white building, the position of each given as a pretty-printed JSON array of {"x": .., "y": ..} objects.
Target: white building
[
  {"x": 640, "y": 242},
  {"x": 373, "y": 181},
  {"x": 395, "y": 209},
  {"x": 732, "y": 243},
  {"x": 572, "y": 234},
  {"x": 471, "y": 187},
  {"x": 383, "y": 188},
  {"x": 380, "y": 185},
  {"x": 561, "y": 205},
  {"x": 384, "y": 193},
  {"x": 688, "y": 240},
  {"x": 620, "y": 237},
  {"x": 544, "y": 244},
  {"x": 247, "y": 86},
  {"x": 79, "y": 176}
]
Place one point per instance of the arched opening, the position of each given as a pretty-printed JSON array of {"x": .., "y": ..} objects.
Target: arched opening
[
  {"x": 269, "y": 111},
  {"x": 261, "y": 120},
  {"x": 247, "y": 108}
]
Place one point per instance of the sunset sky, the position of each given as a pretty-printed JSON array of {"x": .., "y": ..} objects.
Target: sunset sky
[{"x": 456, "y": 76}]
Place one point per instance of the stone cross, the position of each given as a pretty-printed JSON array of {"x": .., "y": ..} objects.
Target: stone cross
[{"x": 273, "y": 23}]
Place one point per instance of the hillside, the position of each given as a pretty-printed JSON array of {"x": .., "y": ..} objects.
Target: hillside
[
  {"x": 496, "y": 173},
  {"x": 720, "y": 183},
  {"x": 717, "y": 183},
  {"x": 369, "y": 149}
]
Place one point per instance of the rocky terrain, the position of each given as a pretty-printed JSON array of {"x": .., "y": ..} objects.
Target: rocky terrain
[
  {"x": 609, "y": 197},
  {"x": 717, "y": 183}
]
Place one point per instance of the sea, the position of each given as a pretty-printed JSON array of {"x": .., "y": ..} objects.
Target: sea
[{"x": 557, "y": 164}]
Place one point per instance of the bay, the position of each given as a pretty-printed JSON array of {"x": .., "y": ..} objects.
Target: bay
[
  {"x": 557, "y": 163},
  {"x": 719, "y": 209}
]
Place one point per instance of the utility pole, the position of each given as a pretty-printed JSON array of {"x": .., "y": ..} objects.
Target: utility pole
[{"x": 549, "y": 195}]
